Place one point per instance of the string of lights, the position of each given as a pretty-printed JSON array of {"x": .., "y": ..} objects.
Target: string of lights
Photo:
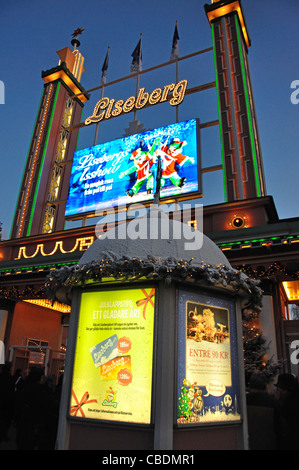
[
  {"x": 132, "y": 269},
  {"x": 262, "y": 272}
]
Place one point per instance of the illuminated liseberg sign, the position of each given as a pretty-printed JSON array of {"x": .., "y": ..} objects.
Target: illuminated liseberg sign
[{"x": 106, "y": 108}]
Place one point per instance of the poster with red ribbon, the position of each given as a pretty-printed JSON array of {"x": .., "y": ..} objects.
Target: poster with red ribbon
[{"x": 112, "y": 377}]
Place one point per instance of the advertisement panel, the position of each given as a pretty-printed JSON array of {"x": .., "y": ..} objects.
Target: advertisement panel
[
  {"x": 208, "y": 384},
  {"x": 112, "y": 377},
  {"x": 124, "y": 171}
]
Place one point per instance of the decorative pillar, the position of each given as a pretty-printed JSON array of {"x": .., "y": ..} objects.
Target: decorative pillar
[
  {"x": 241, "y": 153},
  {"x": 43, "y": 192}
]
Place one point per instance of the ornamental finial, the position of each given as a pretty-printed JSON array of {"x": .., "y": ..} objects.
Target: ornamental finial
[{"x": 75, "y": 42}]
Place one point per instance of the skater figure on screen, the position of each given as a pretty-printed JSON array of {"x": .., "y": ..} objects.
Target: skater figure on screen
[
  {"x": 170, "y": 157},
  {"x": 141, "y": 158}
]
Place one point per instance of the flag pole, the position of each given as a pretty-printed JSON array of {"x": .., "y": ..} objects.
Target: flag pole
[
  {"x": 98, "y": 123},
  {"x": 103, "y": 81},
  {"x": 177, "y": 76},
  {"x": 177, "y": 81},
  {"x": 138, "y": 76},
  {"x": 175, "y": 56}
]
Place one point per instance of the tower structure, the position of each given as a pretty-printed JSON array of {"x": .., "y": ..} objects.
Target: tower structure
[
  {"x": 241, "y": 152},
  {"x": 44, "y": 186}
]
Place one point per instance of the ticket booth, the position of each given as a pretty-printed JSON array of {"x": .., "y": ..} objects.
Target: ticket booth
[{"x": 154, "y": 355}]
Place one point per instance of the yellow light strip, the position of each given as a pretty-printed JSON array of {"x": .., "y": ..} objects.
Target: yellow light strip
[
  {"x": 63, "y": 308},
  {"x": 60, "y": 74},
  {"x": 225, "y": 10},
  {"x": 81, "y": 244}
]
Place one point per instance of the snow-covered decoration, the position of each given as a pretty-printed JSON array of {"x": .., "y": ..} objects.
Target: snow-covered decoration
[
  {"x": 21, "y": 293},
  {"x": 129, "y": 269}
]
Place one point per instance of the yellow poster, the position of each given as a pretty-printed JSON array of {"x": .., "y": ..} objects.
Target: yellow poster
[{"x": 112, "y": 377}]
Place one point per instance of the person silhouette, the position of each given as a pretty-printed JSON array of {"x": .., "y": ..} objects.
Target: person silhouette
[
  {"x": 288, "y": 397},
  {"x": 263, "y": 415},
  {"x": 6, "y": 400}
]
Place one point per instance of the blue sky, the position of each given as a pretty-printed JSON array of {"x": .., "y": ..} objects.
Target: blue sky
[{"x": 32, "y": 31}]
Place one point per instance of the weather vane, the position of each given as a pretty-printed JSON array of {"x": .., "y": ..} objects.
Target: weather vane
[{"x": 75, "y": 42}]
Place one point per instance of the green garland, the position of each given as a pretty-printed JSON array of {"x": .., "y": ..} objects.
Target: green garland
[{"x": 132, "y": 269}]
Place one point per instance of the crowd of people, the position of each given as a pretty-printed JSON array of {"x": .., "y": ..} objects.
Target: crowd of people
[{"x": 31, "y": 406}]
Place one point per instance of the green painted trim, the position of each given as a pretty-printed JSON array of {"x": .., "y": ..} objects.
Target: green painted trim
[
  {"x": 14, "y": 216},
  {"x": 257, "y": 240},
  {"x": 219, "y": 116},
  {"x": 42, "y": 161},
  {"x": 42, "y": 266},
  {"x": 252, "y": 141}
]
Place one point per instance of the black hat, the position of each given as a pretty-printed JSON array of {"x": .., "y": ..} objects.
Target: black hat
[{"x": 286, "y": 382}]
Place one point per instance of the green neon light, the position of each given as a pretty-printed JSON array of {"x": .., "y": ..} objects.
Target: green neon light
[
  {"x": 252, "y": 141},
  {"x": 219, "y": 115},
  {"x": 25, "y": 167},
  {"x": 229, "y": 244},
  {"x": 44, "y": 266},
  {"x": 255, "y": 241},
  {"x": 42, "y": 161},
  {"x": 262, "y": 240}
]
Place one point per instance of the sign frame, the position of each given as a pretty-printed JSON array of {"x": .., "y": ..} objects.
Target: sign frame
[
  {"x": 84, "y": 401},
  {"x": 77, "y": 210},
  {"x": 210, "y": 401}
]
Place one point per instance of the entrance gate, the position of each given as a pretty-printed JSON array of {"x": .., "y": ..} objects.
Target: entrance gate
[{"x": 23, "y": 357}]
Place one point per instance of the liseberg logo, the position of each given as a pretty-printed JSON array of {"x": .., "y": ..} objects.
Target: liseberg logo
[{"x": 107, "y": 108}]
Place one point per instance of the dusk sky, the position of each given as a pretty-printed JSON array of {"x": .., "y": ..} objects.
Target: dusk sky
[{"x": 32, "y": 31}]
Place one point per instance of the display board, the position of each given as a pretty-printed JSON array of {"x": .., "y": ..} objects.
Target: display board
[
  {"x": 208, "y": 383},
  {"x": 113, "y": 363},
  {"x": 124, "y": 171}
]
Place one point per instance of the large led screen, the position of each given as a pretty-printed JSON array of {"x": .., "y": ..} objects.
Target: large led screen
[
  {"x": 113, "y": 363},
  {"x": 125, "y": 171}
]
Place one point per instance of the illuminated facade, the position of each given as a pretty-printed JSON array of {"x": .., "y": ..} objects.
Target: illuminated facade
[
  {"x": 245, "y": 227},
  {"x": 41, "y": 201},
  {"x": 241, "y": 153}
]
